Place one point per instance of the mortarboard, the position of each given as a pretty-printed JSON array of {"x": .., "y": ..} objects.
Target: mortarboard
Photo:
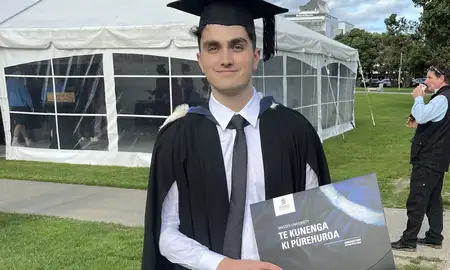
[{"x": 236, "y": 12}]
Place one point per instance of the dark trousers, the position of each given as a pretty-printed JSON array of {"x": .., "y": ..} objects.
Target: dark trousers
[{"x": 424, "y": 198}]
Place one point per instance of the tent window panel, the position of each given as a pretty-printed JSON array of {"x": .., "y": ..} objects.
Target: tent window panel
[
  {"x": 293, "y": 66},
  {"x": 345, "y": 111},
  {"x": 328, "y": 115},
  {"x": 349, "y": 107},
  {"x": 351, "y": 91},
  {"x": 332, "y": 69},
  {"x": 81, "y": 65},
  {"x": 346, "y": 72},
  {"x": 192, "y": 91},
  {"x": 329, "y": 89},
  {"x": 274, "y": 87},
  {"x": 143, "y": 96},
  {"x": 40, "y": 130},
  {"x": 25, "y": 93},
  {"x": 38, "y": 68},
  {"x": 311, "y": 114},
  {"x": 346, "y": 89},
  {"x": 260, "y": 69},
  {"x": 258, "y": 83},
  {"x": 308, "y": 70},
  {"x": 185, "y": 67},
  {"x": 138, "y": 64},
  {"x": 294, "y": 92},
  {"x": 138, "y": 134},
  {"x": 309, "y": 91},
  {"x": 82, "y": 133},
  {"x": 77, "y": 95},
  {"x": 274, "y": 67},
  {"x": 343, "y": 71}
]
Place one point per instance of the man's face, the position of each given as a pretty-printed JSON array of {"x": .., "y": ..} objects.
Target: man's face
[
  {"x": 227, "y": 58},
  {"x": 433, "y": 81}
]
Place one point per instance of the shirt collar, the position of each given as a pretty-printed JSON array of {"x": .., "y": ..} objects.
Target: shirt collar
[{"x": 223, "y": 114}]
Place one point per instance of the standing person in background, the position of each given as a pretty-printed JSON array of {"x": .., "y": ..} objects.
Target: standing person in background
[
  {"x": 19, "y": 100},
  {"x": 430, "y": 155}
]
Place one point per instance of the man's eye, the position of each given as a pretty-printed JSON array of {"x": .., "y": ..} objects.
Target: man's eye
[
  {"x": 212, "y": 48},
  {"x": 238, "y": 47}
]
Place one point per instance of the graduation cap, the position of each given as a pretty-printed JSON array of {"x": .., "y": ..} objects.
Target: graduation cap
[{"x": 236, "y": 12}]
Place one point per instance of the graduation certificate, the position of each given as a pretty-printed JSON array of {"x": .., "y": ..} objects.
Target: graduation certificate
[{"x": 336, "y": 226}]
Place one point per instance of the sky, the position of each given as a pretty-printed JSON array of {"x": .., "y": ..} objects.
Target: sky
[{"x": 366, "y": 14}]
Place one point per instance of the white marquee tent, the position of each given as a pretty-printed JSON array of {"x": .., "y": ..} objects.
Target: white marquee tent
[{"x": 101, "y": 76}]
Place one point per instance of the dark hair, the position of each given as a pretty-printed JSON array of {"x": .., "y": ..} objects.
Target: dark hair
[
  {"x": 441, "y": 70},
  {"x": 197, "y": 31}
]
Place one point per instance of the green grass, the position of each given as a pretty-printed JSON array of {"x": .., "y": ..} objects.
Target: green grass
[
  {"x": 42, "y": 242},
  {"x": 124, "y": 177},
  {"x": 416, "y": 267},
  {"x": 38, "y": 242},
  {"x": 382, "y": 149}
]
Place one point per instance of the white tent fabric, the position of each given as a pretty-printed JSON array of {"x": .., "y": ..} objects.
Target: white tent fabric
[
  {"x": 136, "y": 24},
  {"x": 10, "y": 8},
  {"x": 54, "y": 29}
]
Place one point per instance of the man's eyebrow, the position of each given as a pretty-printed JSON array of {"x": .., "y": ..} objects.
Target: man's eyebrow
[
  {"x": 232, "y": 42},
  {"x": 211, "y": 43},
  {"x": 238, "y": 41}
]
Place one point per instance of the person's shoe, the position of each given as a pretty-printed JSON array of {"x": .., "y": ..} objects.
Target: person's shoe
[
  {"x": 429, "y": 243},
  {"x": 400, "y": 245}
]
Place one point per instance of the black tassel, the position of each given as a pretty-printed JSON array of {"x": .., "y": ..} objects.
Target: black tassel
[{"x": 269, "y": 38}]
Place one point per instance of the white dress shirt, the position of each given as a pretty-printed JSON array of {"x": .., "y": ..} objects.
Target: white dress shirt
[{"x": 180, "y": 249}]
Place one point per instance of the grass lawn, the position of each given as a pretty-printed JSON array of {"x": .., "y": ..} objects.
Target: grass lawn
[
  {"x": 37, "y": 242},
  {"x": 40, "y": 242},
  {"x": 382, "y": 149},
  {"x": 123, "y": 177}
]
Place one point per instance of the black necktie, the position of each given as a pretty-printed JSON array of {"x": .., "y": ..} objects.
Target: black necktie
[{"x": 233, "y": 233}]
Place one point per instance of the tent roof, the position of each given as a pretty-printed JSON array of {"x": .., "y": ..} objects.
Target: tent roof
[
  {"x": 96, "y": 24},
  {"x": 10, "y": 8}
]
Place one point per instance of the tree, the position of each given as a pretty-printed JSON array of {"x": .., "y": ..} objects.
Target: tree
[
  {"x": 396, "y": 26},
  {"x": 366, "y": 45},
  {"x": 434, "y": 28},
  {"x": 402, "y": 44}
]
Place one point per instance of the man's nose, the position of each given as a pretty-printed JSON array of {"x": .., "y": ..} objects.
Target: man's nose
[{"x": 227, "y": 58}]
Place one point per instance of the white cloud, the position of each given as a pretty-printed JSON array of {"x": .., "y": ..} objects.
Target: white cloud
[{"x": 366, "y": 14}]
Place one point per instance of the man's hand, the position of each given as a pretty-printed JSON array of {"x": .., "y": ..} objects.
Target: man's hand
[
  {"x": 411, "y": 123},
  {"x": 229, "y": 264},
  {"x": 418, "y": 91}
]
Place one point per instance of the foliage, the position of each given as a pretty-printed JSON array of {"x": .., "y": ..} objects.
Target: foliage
[
  {"x": 411, "y": 46},
  {"x": 365, "y": 43},
  {"x": 434, "y": 28}
]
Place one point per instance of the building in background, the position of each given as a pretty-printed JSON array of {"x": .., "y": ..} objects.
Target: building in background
[
  {"x": 316, "y": 16},
  {"x": 345, "y": 27}
]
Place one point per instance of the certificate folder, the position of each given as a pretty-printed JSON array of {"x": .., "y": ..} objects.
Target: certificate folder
[{"x": 340, "y": 226}]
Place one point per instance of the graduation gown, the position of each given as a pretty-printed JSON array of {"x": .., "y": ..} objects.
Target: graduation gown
[{"x": 187, "y": 150}]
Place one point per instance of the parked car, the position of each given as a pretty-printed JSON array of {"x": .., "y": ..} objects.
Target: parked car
[
  {"x": 370, "y": 83},
  {"x": 417, "y": 81},
  {"x": 386, "y": 82}
]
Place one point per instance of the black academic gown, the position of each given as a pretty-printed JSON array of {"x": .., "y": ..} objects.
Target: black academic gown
[{"x": 188, "y": 151}]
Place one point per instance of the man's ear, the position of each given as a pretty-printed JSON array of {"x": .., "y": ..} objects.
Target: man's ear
[
  {"x": 256, "y": 59},
  {"x": 199, "y": 60}
]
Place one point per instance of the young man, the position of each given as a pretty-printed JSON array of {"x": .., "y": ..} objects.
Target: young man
[
  {"x": 211, "y": 162},
  {"x": 430, "y": 155}
]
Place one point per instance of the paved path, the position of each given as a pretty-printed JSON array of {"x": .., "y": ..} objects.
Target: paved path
[{"x": 126, "y": 206}]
